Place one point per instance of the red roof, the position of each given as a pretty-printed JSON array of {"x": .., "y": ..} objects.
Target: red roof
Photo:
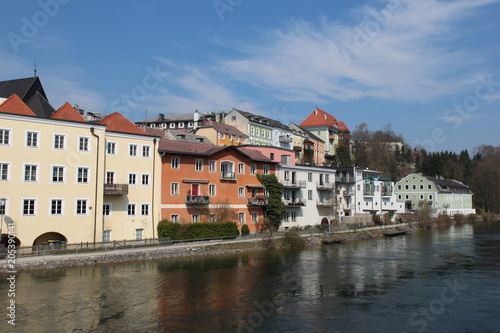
[
  {"x": 117, "y": 123},
  {"x": 321, "y": 118},
  {"x": 67, "y": 112},
  {"x": 15, "y": 105},
  {"x": 254, "y": 154}
]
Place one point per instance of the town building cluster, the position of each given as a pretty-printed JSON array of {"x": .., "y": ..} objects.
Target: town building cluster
[{"x": 75, "y": 176}]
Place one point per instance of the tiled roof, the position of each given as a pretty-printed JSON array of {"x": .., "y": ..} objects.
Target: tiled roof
[
  {"x": 254, "y": 154},
  {"x": 177, "y": 135},
  {"x": 15, "y": 105},
  {"x": 263, "y": 120},
  {"x": 67, "y": 112},
  {"x": 188, "y": 147},
  {"x": 448, "y": 183},
  {"x": 342, "y": 126},
  {"x": 39, "y": 104},
  {"x": 115, "y": 122},
  {"x": 222, "y": 127},
  {"x": 318, "y": 118},
  {"x": 24, "y": 88}
]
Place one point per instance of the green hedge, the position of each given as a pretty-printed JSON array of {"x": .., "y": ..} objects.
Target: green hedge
[
  {"x": 178, "y": 231},
  {"x": 245, "y": 230}
]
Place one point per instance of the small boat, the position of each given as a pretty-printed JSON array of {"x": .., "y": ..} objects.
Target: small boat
[
  {"x": 332, "y": 241},
  {"x": 395, "y": 233}
]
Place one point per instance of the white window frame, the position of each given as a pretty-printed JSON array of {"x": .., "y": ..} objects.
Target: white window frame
[
  {"x": 86, "y": 213},
  {"x": 266, "y": 169},
  {"x": 52, "y": 169},
  {"x": 143, "y": 207},
  {"x": 111, "y": 148},
  {"x": 241, "y": 192},
  {"x": 309, "y": 195},
  {"x": 78, "y": 174},
  {"x": 5, "y": 166},
  {"x": 59, "y": 141},
  {"x": 310, "y": 177},
  {"x": 212, "y": 218},
  {"x": 113, "y": 176},
  {"x": 5, "y": 139},
  {"x": 253, "y": 169},
  {"x": 37, "y": 170},
  {"x": 131, "y": 209},
  {"x": 133, "y": 150},
  {"x": 109, "y": 209},
  {"x": 195, "y": 218},
  {"x": 139, "y": 234},
  {"x": 4, "y": 208},
  {"x": 212, "y": 190},
  {"x": 175, "y": 162},
  {"x": 145, "y": 179},
  {"x": 212, "y": 166},
  {"x": 174, "y": 218},
  {"x": 37, "y": 135},
  {"x": 174, "y": 188},
  {"x": 255, "y": 217},
  {"x": 52, "y": 200},
  {"x": 241, "y": 168},
  {"x": 198, "y": 164},
  {"x": 146, "y": 151},
  {"x": 241, "y": 218},
  {"x": 132, "y": 178},
  {"x": 106, "y": 235},
  {"x": 86, "y": 143},
  {"x": 35, "y": 206}
]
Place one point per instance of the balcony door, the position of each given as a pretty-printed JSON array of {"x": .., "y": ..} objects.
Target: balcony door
[{"x": 195, "y": 189}]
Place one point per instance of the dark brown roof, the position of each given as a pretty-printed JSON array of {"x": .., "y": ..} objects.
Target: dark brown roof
[
  {"x": 222, "y": 127},
  {"x": 181, "y": 147}
]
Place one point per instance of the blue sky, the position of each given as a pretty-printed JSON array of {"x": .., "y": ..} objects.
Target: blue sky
[{"x": 430, "y": 68}]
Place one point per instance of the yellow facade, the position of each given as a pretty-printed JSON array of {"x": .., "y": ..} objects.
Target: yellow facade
[{"x": 54, "y": 175}]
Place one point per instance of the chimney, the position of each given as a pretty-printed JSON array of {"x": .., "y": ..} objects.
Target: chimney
[
  {"x": 196, "y": 119},
  {"x": 161, "y": 118}
]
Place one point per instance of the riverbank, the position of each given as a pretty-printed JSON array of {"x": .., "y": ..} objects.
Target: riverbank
[{"x": 241, "y": 244}]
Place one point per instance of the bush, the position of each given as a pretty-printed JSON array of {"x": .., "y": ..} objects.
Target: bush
[
  {"x": 245, "y": 230},
  {"x": 197, "y": 230},
  {"x": 459, "y": 218},
  {"x": 443, "y": 220},
  {"x": 376, "y": 220},
  {"x": 293, "y": 239},
  {"x": 471, "y": 218},
  {"x": 488, "y": 217}
]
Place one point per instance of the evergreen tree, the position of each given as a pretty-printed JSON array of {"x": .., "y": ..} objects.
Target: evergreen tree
[{"x": 275, "y": 208}]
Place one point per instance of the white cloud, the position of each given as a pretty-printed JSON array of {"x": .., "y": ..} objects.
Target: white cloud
[{"x": 406, "y": 51}]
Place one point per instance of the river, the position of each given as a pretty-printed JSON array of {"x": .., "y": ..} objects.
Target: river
[{"x": 444, "y": 280}]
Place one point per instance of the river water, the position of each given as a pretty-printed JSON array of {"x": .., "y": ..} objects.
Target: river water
[{"x": 445, "y": 280}]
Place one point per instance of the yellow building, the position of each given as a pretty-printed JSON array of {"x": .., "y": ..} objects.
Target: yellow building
[
  {"x": 64, "y": 179},
  {"x": 222, "y": 134}
]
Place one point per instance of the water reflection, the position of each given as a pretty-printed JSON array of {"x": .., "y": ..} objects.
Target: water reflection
[{"x": 373, "y": 285}]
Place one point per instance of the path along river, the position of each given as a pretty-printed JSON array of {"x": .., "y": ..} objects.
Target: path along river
[{"x": 444, "y": 280}]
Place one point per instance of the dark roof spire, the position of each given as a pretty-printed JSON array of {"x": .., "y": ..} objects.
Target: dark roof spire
[{"x": 34, "y": 70}]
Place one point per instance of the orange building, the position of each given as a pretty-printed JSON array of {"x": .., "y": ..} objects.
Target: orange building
[{"x": 206, "y": 183}]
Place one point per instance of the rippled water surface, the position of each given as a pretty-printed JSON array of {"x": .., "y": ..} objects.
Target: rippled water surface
[{"x": 445, "y": 280}]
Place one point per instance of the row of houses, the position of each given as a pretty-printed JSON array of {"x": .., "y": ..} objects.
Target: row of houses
[{"x": 73, "y": 177}]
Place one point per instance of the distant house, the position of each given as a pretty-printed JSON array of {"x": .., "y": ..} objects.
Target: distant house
[
  {"x": 183, "y": 122},
  {"x": 222, "y": 134},
  {"x": 444, "y": 196}
]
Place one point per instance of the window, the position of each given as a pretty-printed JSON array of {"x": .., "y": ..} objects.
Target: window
[
  {"x": 266, "y": 169},
  {"x": 138, "y": 234},
  {"x": 106, "y": 209},
  {"x": 430, "y": 196},
  {"x": 309, "y": 194},
  {"x": 241, "y": 192},
  {"x": 32, "y": 139},
  {"x": 222, "y": 136},
  {"x": 174, "y": 218},
  {"x": 81, "y": 206},
  {"x": 359, "y": 187},
  {"x": 59, "y": 141},
  {"x": 310, "y": 177},
  {"x": 106, "y": 236},
  {"x": 230, "y": 137},
  {"x": 286, "y": 217},
  {"x": 287, "y": 175},
  {"x": 30, "y": 173},
  {"x": 198, "y": 164},
  {"x": 174, "y": 188},
  {"x": 146, "y": 151},
  {"x": 57, "y": 174},
  {"x": 294, "y": 216},
  {"x": 4, "y": 136},
  {"x": 190, "y": 124},
  {"x": 145, "y": 209},
  {"x": 241, "y": 168},
  {"x": 145, "y": 179},
  {"x": 132, "y": 150},
  {"x": 255, "y": 217},
  {"x": 253, "y": 169},
  {"x": 421, "y": 197},
  {"x": 257, "y": 132},
  {"x": 180, "y": 125},
  {"x": 211, "y": 166},
  {"x": 211, "y": 190},
  {"x": 82, "y": 175},
  {"x": 111, "y": 148},
  {"x": 407, "y": 197},
  {"x": 131, "y": 209},
  {"x": 110, "y": 177},
  {"x": 29, "y": 206},
  {"x": 399, "y": 187},
  {"x": 195, "y": 218},
  {"x": 3, "y": 207},
  {"x": 171, "y": 125},
  {"x": 4, "y": 171},
  {"x": 83, "y": 143},
  {"x": 175, "y": 162},
  {"x": 429, "y": 187},
  {"x": 414, "y": 187},
  {"x": 327, "y": 178},
  {"x": 399, "y": 196},
  {"x": 252, "y": 130},
  {"x": 212, "y": 218},
  {"x": 56, "y": 206},
  {"x": 271, "y": 156},
  {"x": 406, "y": 187},
  {"x": 241, "y": 217},
  {"x": 421, "y": 186},
  {"x": 132, "y": 179}
]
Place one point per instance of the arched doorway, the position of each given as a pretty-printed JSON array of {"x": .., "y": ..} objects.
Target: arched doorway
[
  {"x": 51, "y": 238},
  {"x": 4, "y": 240},
  {"x": 324, "y": 224}
]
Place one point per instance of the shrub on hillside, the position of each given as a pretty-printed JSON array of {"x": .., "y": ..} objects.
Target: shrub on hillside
[
  {"x": 292, "y": 239},
  {"x": 376, "y": 220}
]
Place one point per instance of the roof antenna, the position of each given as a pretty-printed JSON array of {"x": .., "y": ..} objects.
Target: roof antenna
[{"x": 35, "y": 70}]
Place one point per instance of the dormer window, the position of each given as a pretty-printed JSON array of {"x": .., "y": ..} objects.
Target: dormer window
[
  {"x": 190, "y": 124},
  {"x": 181, "y": 125},
  {"x": 200, "y": 140},
  {"x": 171, "y": 125}
]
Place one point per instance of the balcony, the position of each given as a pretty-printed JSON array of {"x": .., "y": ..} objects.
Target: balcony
[
  {"x": 325, "y": 186},
  {"x": 386, "y": 191},
  {"x": 227, "y": 175},
  {"x": 344, "y": 179},
  {"x": 294, "y": 202},
  {"x": 197, "y": 199},
  {"x": 285, "y": 139},
  {"x": 257, "y": 201},
  {"x": 297, "y": 148},
  {"x": 116, "y": 189},
  {"x": 293, "y": 184},
  {"x": 325, "y": 203},
  {"x": 331, "y": 137}
]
